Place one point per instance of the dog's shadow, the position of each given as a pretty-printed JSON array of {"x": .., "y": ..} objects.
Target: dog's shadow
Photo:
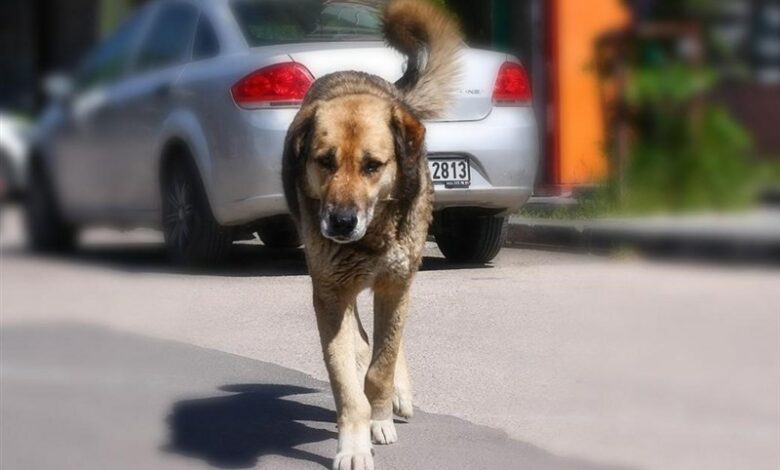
[{"x": 235, "y": 431}]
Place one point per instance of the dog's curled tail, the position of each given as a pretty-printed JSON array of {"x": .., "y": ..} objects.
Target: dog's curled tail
[{"x": 431, "y": 39}]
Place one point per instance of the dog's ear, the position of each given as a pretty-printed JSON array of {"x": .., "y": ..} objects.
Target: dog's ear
[
  {"x": 296, "y": 152},
  {"x": 409, "y": 134}
]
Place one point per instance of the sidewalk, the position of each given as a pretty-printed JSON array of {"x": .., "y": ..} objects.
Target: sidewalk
[{"x": 750, "y": 236}]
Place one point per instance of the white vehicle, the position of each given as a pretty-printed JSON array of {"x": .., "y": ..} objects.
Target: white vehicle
[
  {"x": 13, "y": 155},
  {"x": 178, "y": 121}
]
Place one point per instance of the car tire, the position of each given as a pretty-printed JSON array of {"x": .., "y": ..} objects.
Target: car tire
[
  {"x": 47, "y": 230},
  {"x": 7, "y": 184},
  {"x": 193, "y": 236},
  {"x": 466, "y": 238},
  {"x": 279, "y": 232}
]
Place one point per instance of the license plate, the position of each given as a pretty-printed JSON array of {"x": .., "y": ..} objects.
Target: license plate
[{"x": 452, "y": 172}]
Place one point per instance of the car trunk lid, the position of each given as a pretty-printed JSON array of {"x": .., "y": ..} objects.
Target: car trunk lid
[{"x": 479, "y": 70}]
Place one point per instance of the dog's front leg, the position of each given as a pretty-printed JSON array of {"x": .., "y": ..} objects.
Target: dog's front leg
[
  {"x": 337, "y": 332},
  {"x": 402, "y": 398},
  {"x": 391, "y": 304}
]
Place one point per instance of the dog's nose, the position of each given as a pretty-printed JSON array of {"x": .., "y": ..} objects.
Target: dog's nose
[{"x": 343, "y": 222}]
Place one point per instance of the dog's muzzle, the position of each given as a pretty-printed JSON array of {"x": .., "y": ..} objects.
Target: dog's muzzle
[{"x": 343, "y": 225}]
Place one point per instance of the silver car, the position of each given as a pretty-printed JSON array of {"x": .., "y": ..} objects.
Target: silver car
[
  {"x": 13, "y": 155},
  {"x": 178, "y": 119}
]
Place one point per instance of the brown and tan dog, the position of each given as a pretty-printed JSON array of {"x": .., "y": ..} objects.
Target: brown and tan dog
[{"x": 357, "y": 184}]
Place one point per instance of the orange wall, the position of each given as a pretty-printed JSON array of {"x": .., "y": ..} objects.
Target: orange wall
[{"x": 579, "y": 121}]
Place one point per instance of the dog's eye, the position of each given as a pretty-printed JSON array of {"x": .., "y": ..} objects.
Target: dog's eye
[
  {"x": 327, "y": 161},
  {"x": 372, "y": 166}
]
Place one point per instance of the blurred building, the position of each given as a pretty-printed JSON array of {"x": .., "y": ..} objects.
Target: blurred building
[
  {"x": 556, "y": 40},
  {"x": 750, "y": 32},
  {"x": 41, "y": 36}
]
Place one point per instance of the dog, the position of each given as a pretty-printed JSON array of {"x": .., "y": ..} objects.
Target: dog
[{"x": 357, "y": 185}]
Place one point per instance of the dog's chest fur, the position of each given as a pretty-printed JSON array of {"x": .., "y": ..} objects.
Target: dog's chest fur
[{"x": 391, "y": 250}]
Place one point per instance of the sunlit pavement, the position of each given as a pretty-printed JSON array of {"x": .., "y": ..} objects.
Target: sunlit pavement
[{"x": 112, "y": 358}]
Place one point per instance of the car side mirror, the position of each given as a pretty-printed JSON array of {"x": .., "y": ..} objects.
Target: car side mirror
[{"x": 58, "y": 87}]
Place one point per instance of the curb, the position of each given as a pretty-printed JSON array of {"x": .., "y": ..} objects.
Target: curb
[{"x": 604, "y": 237}]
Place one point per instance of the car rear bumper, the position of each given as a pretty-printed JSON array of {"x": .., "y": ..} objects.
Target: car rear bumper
[
  {"x": 502, "y": 150},
  {"x": 503, "y": 200}
]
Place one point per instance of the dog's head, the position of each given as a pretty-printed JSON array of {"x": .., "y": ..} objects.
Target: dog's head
[{"x": 353, "y": 153}]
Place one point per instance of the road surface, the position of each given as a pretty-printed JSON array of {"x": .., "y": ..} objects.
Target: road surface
[{"x": 112, "y": 358}]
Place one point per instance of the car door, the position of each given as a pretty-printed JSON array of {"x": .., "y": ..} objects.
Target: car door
[
  {"x": 150, "y": 96},
  {"x": 86, "y": 137}
]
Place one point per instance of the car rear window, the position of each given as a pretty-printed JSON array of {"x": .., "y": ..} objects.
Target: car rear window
[{"x": 268, "y": 22}]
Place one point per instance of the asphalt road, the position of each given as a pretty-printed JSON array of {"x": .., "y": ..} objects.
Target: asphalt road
[{"x": 113, "y": 359}]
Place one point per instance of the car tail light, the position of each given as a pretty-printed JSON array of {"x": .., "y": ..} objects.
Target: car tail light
[
  {"x": 512, "y": 86},
  {"x": 277, "y": 85}
]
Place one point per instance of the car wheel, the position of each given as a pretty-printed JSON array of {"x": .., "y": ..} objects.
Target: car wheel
[
  {"x": 279, "y": 232},
  {"x": 192, "y": 234},
  {"x": 464, "y": 238},
  {"x": 47, "y": 230}
]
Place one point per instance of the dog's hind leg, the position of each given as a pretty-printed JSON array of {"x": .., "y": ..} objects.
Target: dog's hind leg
[
  {"x": 336, "y": 323},
  {"x": 362, "y": 347},
  {"x": 391, "y": 301},
  {"x": 402, "y": 393}
]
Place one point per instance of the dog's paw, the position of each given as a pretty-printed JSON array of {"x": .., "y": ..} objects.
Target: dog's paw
[
  {"x": 402, "y": 403},
  {"x": 383, "y": 432},
  {"x": 355, "y": 452},
  {"x": 353, "y": 461}
]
